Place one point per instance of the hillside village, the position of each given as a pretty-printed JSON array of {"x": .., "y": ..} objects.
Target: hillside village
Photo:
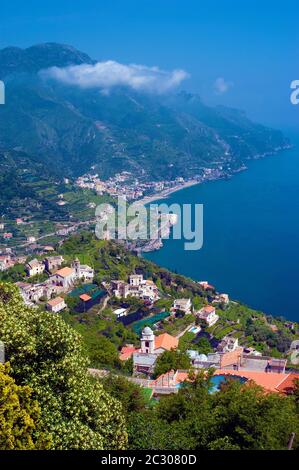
[{"x": 159, "y": 313}]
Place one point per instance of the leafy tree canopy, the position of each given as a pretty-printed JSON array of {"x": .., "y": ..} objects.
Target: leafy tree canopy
[{"x": 46, "y": 355}]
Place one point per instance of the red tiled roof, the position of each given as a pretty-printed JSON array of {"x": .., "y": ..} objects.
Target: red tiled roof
[
  {"x": 126, "y": 352},
  {"x": 209, "y": 309},
  {"x": 85, "y": 297},
  {"x": 166, "y": 341},
  {"x": 56, "y": 301},
  {"x": 270, "y": 381},
  {"x": 64, "y": 272},
  {"x": 288, "y": 384}
]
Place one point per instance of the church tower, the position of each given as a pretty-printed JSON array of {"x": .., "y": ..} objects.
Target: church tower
[
  {"x": 76, "y": 266},
  {"x": 147, "y": 341}
]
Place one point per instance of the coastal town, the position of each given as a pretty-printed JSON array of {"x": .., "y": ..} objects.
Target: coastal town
[
  {"x": 24, "y": 234},
  {"x": 137, "y": 188},
  {"x": 60, "y": 284}
]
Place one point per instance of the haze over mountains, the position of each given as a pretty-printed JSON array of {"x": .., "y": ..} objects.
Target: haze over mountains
[{"x": 156, "y": 135}]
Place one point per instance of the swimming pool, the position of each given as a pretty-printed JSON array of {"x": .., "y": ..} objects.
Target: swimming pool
[
  {"x": 195, "y": 329},
  {"x": 217, "y": 380}
]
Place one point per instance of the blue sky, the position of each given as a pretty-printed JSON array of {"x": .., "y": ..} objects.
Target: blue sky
[{"x": 249, "y": 48}]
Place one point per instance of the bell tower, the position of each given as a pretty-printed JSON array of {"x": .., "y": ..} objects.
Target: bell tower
[
  {"x": 76, "y": 266},
  {"x": 147, "y": 341}
]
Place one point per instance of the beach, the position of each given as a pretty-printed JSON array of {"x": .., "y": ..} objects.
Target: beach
[{"x": 166, "y": 192}]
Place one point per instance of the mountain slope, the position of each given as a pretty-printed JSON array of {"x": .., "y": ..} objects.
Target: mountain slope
[{"x": 159, "y": 137}]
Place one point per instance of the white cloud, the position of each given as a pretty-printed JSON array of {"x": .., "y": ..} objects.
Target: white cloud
[
  {"x": 221, "y": 86},
  {"x": 106, "y": 75}
]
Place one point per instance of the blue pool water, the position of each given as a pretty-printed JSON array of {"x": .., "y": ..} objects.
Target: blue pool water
[{"x": 217, "y": 380}]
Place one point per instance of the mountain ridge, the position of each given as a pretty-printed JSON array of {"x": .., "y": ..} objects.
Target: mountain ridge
[{"x": 154, "y": 136}]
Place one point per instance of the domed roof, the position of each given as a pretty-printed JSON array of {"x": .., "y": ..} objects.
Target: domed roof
[{"x": 147, "y": 331}]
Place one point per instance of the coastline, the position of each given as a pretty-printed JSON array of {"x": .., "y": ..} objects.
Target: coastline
[
  {"x": 166, "y": 192},
  {"x": 193, "y": 182},
  {"x": 265, "y": 175}
]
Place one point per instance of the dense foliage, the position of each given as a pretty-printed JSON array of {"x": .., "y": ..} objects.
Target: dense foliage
[
  {"x": 19, "y": 416},
  {"x": 237, "y": 417},
  {"x": 46, "y": 355},
  {"x": 171, "y": 360}
]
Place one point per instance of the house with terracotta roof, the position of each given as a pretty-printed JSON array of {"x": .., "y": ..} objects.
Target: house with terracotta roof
[
  {"x": 269, "y": 381},
  {"x": 7, "y": 235},
  {"x": 165, "y": 342},
  {"x": 56, "y": 305},
  {"x": 206, "y": 285},
  {"x": 208, "y": 314},
  {"x": 127, "y": 352},
  {"x": 85, "y": 297},
  {"x": 64, "y": 277}
]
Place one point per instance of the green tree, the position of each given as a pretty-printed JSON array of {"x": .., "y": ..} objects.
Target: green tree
[
  {"x": 46, "y": 355},
  {"x": 19, "y": 416},
  {"x": 253, "y": 419},
  {"x": 203, "y": 345},
  {"x": 173, "y": 359},
  {"x": 128, "y": 393},
  {"x": 239, "y": 416}
]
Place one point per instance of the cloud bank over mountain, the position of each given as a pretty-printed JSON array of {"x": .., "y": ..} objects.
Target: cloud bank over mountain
[{"x": 110, "y": 74}]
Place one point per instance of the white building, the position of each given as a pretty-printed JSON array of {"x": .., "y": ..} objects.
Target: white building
[
  {"x": 34, "y": 268},
  {"x": 120, "y": 312},
  {"x": 64, "y": 277},
  {"x": 84, "y": 272},
  {"x": 120, "y": 289},
  {"x": 31, "y": 293},
  {"x": 208, "y": 314},
  {"x": 135, "y": 280},
  {"x": 56, "y": 305},
  {"x": 147, "y": 341},
  {"x": 137, "y": 287},
  {"x": 182, "y": 304}
]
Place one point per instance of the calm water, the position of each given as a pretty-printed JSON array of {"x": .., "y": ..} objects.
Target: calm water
[{"x": 251, "y": 227}]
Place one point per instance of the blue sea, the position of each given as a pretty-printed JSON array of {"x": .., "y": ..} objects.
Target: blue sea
[{"x": 251, "y": 228}]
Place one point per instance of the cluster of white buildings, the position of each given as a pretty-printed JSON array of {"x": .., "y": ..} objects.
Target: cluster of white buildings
[
  {"x": 49, "y": 264},
  {"x": 125, "y": 183},
  {"x": 136, "y": 287},
  {"x": 60, "y": 280}
]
